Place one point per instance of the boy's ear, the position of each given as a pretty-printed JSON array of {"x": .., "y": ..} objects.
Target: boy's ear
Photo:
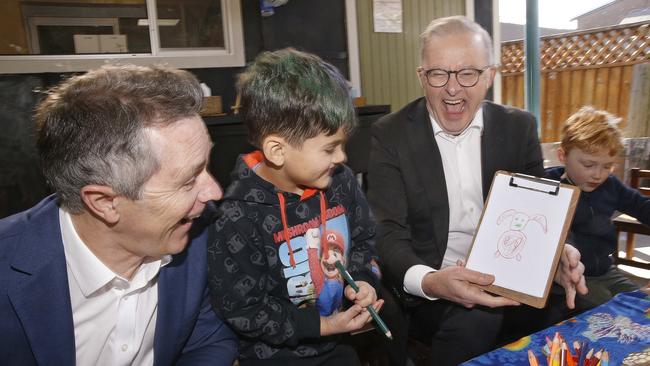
[
  {"x": 273, "y": 147},
  {"x": 101, "y": 201},
  {"x": 561, "y": 155}
]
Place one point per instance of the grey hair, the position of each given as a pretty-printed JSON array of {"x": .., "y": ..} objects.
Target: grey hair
[
  {"x": 92, "y": 128},
  {"x": 457, "y": 24}
]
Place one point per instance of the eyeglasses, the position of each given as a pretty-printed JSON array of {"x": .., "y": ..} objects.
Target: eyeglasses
[{"x": 467, "y": 78}]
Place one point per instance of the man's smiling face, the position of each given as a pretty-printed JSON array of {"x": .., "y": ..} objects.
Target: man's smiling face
[{"x": 454, "y": 106}]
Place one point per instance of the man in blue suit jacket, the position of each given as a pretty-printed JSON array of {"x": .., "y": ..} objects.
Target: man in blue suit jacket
[{"x": 112, "y": 268}]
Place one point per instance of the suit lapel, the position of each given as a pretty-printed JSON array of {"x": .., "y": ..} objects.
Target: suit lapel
[
  {"x": 170, "y": 312},
  {"x": 39, "y": 293},
  {"x": 491, "y": 142},
  {"x": 424, "y": 149}
]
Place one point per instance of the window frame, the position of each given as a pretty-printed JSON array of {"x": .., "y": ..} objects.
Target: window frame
[{"x": 231, "y": 56}]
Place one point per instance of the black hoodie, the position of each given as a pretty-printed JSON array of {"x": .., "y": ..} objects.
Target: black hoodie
[
  {"x": 592, "y": 231},
  {"x": 271, "y": 291}
]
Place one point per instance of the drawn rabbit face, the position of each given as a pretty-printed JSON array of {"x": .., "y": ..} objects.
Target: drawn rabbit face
[{"x": 519, "y": 221}]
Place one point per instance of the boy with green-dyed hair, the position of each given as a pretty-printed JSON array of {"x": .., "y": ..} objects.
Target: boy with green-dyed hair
[
  {"x": 296, "y": 95},
  {"x": 284, "y": 203},
  {"x": 591, "y": 142}
]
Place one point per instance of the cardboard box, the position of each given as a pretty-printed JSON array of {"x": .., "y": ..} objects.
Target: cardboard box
[
  {"x": 86, "y": 43},
  {"x": 112, "y": 43},
  {"x": 212, "y": 106}
]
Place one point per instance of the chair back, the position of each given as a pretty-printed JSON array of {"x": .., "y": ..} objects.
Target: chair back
[{"x": 638, "y": 177}]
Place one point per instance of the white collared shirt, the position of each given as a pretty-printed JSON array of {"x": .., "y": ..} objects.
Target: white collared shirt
[
  {"x": 461, "y": 162},
  {"x": 114, "y": 318}
]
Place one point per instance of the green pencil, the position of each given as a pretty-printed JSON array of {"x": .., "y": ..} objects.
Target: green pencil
[{"x": 373, "y": 313}]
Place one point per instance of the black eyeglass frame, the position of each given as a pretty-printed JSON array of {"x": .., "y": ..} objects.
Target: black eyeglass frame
[{"x": 456, "y": 72}]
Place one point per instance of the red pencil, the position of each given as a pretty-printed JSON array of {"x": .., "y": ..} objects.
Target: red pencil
[{"x": 588, "y": 358}]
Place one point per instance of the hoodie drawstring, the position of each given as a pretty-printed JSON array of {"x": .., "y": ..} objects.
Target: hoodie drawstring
[
  {"x": 285, "y": 226},
  {"x": 324, "y": 244}
]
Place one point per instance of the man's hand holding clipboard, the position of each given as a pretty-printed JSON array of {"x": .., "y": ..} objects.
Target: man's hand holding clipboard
[{"x": 521, "y": 239}]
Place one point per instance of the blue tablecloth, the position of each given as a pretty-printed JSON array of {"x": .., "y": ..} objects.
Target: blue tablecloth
[{"x": 621, "y": 326}]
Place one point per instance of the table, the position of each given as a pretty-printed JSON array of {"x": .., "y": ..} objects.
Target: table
[{"x": 621, "y": 326}]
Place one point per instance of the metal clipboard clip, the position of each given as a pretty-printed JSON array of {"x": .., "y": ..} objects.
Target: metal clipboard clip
[{"x": 543, "y": 185}]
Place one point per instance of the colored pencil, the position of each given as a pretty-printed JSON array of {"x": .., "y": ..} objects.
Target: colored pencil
[
  {"x": 583, "y": 354},
  {"x": 587, "y": 361},
  {"x": 373, "y": 313},
  {"x": 532, "y": 360},
  {"x": 563, "y": 354},
  {"x": 604, "y": 361},
  {"x": 570, "y": 360}
]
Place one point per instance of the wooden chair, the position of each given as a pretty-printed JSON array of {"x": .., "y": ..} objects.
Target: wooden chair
[{"x": 631, "y": 225}]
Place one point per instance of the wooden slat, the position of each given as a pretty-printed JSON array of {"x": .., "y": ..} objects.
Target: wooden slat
[
  {"x": 550, "y": 120},
  {"x": 510, "y": 90},
  {"x": 575, "y": 100},
  {"x": 600, "y": 93},
  {"x": 543, "y": 91},
  {"x": 614, "y": 90},
  {"x": 563, "y": 102},
  {"x": 624, "y": 100},
  {"x": 519, "y": 93},
  {"x": 588, "y": 85}
]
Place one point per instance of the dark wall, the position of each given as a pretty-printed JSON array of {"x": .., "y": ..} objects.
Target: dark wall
[
  {"x": 229, "y": 136},
  {"x": 311, "y": 25},
  {"x": 21, "y": 181}
]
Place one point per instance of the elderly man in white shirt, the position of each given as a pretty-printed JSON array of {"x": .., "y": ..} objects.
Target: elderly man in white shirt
[{"x": 431, "y": 165}]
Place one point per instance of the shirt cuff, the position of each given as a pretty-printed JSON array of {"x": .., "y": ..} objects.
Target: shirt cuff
[{"x": 413, "y": 281}]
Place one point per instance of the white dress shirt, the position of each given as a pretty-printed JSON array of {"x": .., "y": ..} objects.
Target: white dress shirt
[
  {"x": 461, "y": 162},
  {"x": 114, "y": 318}
]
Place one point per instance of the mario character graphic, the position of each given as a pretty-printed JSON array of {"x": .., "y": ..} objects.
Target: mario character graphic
[{"x": 327, "y": 280}]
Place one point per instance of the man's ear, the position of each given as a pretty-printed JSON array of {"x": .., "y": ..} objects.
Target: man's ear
[
  {"x": 273, "y": 147},
  {"x": 492, "y": 72},
  {"x": 101, "y": 201},
  {"x": 418, "y": 70},
  {"x": 561, "y": 155}
]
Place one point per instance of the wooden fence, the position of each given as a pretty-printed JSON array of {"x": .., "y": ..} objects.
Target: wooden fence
[{"x": 592, "y": 67}]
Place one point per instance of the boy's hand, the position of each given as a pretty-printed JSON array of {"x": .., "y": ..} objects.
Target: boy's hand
[
  {"x": 366, "y": 295},
  {"x": 570, "y": 274},
  {"x": 347, "y": 321},
  {"x": 646, "y": 289}
]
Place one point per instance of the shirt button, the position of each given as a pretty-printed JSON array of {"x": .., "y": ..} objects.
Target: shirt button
[{"x": 124, "y": 347}]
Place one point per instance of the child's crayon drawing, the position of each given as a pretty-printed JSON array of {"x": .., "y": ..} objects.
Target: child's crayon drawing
[{"x": 512, "y": 242}]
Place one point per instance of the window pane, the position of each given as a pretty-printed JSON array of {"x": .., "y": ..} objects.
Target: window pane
[
  {"x": 190, "y": 24},
  {"x": 72, "y": 27}
]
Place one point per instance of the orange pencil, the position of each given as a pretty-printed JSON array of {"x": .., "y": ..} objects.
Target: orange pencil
[
  {"x": 570, "y": 361},
  {"x": 532, "y": 360}
]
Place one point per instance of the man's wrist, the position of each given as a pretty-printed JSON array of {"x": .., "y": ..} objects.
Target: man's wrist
[{"x": 414, "y": 281}]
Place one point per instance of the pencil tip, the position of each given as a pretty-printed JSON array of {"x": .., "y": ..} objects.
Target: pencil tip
[{"x": 389, "y": 335}]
